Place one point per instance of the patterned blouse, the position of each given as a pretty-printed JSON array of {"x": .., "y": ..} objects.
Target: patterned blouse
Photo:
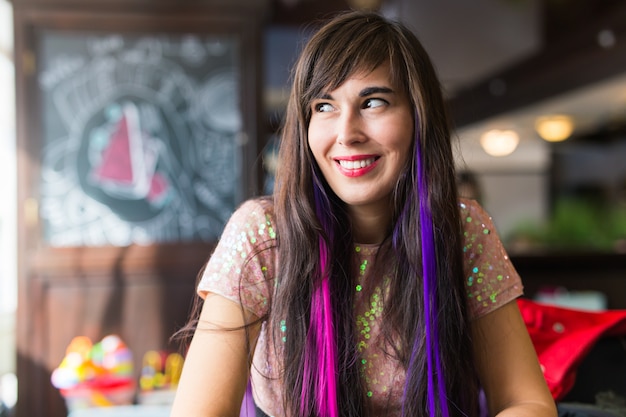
[{"x": 242, "y": 269}]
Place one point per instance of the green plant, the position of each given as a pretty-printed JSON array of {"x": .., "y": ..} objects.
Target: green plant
[{"x": 575, "y": 224}]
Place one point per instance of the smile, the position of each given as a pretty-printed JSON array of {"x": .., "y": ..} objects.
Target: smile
[
  {"x": 357, "y": 167},
  {"x": 356, "y": 164}
]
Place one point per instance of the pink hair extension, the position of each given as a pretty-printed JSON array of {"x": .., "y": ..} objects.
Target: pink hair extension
[{"x": 321, "y": 349}]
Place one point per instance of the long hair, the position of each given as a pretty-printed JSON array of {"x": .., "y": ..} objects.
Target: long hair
[{"x": 311, "y": 316}]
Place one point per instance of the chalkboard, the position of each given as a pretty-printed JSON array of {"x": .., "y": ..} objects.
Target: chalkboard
[{"x": 141, "y": 137}]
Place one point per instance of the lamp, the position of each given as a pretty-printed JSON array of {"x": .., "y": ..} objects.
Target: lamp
[
  {"x": 499, "y": 142},
  {"x": 554, "y": 128}
]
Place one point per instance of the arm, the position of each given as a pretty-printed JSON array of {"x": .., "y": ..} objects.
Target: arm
[
  {"x": 508, "y": 367},
  {"x": 217, "y": 365}
]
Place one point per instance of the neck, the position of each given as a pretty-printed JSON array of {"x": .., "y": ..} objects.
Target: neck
[{"x": 369, "y": 226}]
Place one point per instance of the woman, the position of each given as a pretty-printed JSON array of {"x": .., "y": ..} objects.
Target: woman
[{"x": 364, "y": 287}]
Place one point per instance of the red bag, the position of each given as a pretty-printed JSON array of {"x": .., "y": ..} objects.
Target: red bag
[{"x": 563, "y": 336}]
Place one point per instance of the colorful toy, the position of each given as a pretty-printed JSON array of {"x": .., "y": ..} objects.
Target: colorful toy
[
  {"x": 98, "y": 374},
  {"x": 161, "y": 370},
  {"x": 160, "y": 374}
]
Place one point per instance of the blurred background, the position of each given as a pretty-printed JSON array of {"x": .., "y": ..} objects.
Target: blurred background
[{"x": 130, "y": 130}]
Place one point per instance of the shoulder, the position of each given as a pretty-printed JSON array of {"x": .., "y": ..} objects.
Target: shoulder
[
  {"x": 258, "y": 209},
  {"x": 479, "y": 233},
  {"x": 475, "y": 219},
  {"x": 470, "y": 207},
  {"x": 249, "y": 230},
  {"x": 254, "y": 217}
]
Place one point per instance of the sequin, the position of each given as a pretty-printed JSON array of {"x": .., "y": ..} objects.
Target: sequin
[
  {"x": 283, "y": 329},
  {"x": 367, "y": 326}
]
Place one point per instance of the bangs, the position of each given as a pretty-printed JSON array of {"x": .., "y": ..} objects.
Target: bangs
[{"x": 347, "y": 52}]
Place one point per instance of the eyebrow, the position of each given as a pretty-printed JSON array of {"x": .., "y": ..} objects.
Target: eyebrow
[{"x": 368, "y": 91}]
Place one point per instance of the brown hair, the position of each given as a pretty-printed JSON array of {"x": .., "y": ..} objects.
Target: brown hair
[{"x": 351, "y": 43}]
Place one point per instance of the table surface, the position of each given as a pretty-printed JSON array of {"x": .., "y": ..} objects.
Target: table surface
[{"x": 124, "y": 411}]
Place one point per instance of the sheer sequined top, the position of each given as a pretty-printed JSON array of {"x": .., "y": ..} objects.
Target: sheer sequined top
[{"x": 242, "y": 269}]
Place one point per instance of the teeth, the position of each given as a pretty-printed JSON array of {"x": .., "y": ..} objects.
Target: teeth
[{"x": 356, "y": 164}]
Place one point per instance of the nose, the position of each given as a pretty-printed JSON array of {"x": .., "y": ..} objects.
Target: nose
[{"x": 350, "y": 128}]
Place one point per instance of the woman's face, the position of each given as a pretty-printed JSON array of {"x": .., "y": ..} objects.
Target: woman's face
[{"x": 360, "y": 135}]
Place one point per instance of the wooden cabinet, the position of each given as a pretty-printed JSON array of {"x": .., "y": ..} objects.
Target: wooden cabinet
[
  {"x": 142, "y": 294},
  {"x": 139, "y": 126}
]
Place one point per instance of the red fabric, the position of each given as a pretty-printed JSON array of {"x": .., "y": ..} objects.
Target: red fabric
[{"x": 563, "y": 336}]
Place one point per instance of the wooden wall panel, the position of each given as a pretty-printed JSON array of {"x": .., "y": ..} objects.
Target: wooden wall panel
[{"x": 142, "y": 294}]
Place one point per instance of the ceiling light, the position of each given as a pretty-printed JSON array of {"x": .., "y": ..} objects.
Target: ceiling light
[
  {"x": 499, "y": 142},
  {"x": 555, "y": 128}
]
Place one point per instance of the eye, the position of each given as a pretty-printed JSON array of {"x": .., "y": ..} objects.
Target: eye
[
  {"x": 323, "y": 107},
  {"x": 372, "y": 103}
]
